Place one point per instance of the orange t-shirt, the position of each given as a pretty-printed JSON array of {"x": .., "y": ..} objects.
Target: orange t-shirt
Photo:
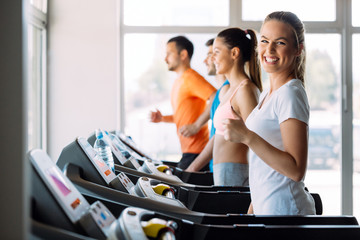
[{"x": 188, "y": 99}]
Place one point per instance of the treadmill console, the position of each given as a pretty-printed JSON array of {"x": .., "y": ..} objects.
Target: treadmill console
[
  {"x": 69, "y": 198},
  {"x": 96, "y": 160},
  {"x": 94, "y": 219}
]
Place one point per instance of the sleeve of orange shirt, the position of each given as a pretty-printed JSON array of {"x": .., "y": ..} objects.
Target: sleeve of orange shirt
[{"x": 200, "y": 87}]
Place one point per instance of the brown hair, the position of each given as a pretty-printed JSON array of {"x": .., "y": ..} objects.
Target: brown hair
[
  {"x": 299, "y": 36},
  {"x": 246, "y": 41}
]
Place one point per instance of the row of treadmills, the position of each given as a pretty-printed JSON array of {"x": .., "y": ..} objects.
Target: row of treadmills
[{"x": 79, "y": 197}]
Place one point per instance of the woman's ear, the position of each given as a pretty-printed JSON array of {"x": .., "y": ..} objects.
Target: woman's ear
[{"x": 235, "y": 52}]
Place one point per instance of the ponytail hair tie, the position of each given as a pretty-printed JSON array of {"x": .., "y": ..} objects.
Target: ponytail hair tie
[{"x": 247, "y": 34}]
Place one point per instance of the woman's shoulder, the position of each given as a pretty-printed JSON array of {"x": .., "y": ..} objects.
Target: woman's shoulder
[
  {"x": 245, "y": 83},
  {"x": 293, "y": 85},
  {"x": 247, "y": 86},
  {"x": 292, "y": 91}
]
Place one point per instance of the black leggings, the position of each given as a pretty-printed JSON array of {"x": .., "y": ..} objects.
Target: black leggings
[{"x": 187, "y": 159}]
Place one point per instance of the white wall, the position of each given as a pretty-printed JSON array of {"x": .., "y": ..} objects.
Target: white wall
[{"x": 82, "y": 79}]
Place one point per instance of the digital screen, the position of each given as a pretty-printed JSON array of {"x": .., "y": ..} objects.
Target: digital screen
[
  {"x": 58, "y": 180},
  {"x": 99, "y": 163},
  {"x": 65, "y": 193}
]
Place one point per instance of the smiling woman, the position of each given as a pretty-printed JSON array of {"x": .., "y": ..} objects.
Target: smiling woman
[
  {"x": 277, "y": 52},
  {"x": 276, "y": 131}
]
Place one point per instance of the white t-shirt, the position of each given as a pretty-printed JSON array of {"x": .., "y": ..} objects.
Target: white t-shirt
[{"x": 271, "y": 192}]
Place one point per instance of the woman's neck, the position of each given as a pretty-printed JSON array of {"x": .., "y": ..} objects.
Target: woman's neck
[
  {"x": 236, "y": 75},
  {"x": 277, "y": 80}
]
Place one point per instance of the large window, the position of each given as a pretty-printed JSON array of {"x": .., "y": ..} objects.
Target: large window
[
  {"x": 356, "y": 122},
  {"x": 308, "y": 10},
  {"x": 176, "y": 13},
  {"x": 323, "y": 84},
  {"x": 40, "y": 5},
  {"x": 37, "y": 74},
  {"x": 147, "y": 82},
  {"x": 355, "y": 13},
  {"x": 147, "y": 87},
  {"x": 356, "y": 105}
]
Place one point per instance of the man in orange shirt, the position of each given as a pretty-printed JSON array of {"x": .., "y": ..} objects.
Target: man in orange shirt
[{"x": 189, "y": 95}]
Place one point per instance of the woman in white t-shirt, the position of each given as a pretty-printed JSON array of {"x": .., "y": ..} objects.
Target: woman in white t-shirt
[{"x": 276, "y": 131}]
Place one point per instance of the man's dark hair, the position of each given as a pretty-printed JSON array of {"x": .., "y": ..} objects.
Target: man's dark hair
[
  {"x": 210, "y": 42},
  {"x": 183, "y": 43}
]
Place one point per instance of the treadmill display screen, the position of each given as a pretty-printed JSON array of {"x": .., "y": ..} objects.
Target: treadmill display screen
[
  {"x": 58, "y": 181},
  {"x": 63, "y": 190},
  {"x": 99, "y": 163}
]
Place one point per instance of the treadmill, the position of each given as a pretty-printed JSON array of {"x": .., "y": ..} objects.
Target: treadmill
[
  {"x": 127, "y": 162},
  {"x": 136, "y": 217},
  {"x": 92, "y": 183},
  {"x": 59, "y": 211},
  {"x": 208, "y": 199}
]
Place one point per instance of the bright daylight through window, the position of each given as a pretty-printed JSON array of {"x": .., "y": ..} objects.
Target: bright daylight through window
[
  {"x": 148, "y": 82},
  {"x": 356, "y": 122},
  {"x": 37, "y": 74}
]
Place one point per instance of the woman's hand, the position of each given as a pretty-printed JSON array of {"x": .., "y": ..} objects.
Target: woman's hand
[
  {"x": 189, "y": 130},
  {"x": 235, "y": 130}
]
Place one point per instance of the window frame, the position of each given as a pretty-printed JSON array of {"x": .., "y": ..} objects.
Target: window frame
[{"x": 38, "y": 19}]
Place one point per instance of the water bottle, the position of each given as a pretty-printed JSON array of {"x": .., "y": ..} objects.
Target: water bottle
[
  {"x": 104, "y": 150},
  {"x": 118, "y": 144}
]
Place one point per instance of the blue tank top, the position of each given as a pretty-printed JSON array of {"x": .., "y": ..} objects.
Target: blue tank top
[{"x": 214, "y": 106}]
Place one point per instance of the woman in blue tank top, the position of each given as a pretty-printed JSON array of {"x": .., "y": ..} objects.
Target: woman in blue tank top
[{"x": 235, "y": 57}]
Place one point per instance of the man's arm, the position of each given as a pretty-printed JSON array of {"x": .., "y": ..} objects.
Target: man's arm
[{"x": 192, "y": 129}]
